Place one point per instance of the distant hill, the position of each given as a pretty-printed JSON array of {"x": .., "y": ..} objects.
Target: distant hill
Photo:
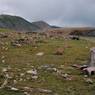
[
  {"x": 55, "y": 27},
  {"x": 21, "y": 24},
  {"x": 42, "y": 25},
  {"x": 16, "y": 23}
]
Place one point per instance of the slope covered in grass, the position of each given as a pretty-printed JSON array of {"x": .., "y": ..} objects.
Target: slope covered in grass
[{"x": 16, "y": 23}]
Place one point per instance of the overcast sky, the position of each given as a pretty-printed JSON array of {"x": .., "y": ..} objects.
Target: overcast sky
[{"x": 56, "y": 12}]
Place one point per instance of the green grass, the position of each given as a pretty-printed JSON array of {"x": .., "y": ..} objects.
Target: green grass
[
  {"x": 23, "y": 58},
  {"x": 4, "y": 30},
  {"x": 91, "y": 39}
]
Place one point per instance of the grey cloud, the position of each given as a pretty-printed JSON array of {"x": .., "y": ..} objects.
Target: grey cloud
[{"x": 58, "y": 12}]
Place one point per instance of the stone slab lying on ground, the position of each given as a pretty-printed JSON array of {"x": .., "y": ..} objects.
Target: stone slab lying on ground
[
  {"x": 89, "y": 70},
  {"x": 40, "y": 54}
]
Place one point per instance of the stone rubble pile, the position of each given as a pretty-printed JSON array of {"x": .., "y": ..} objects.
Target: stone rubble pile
[
  {"x": 3, "y": 35},
  {"x": 30, "y": 90},
  {"x": 56, "y": 71},
  {"x": 20, "y": 42}
]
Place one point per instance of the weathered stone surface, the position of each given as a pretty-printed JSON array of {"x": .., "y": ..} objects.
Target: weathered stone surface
[
  {"x": 14, "y": 89},
  {"x": 91, "y": 68},
  {"x": 33, "y": 71},
  {"x": 89, "y": 81},
  {"x": 74, "y": 37},
  {"x": 3, "y": 35},
  {"x": 4, "y": 83},
  {"x": 59, "y": 51},
  {"x": 40, "y": 54},
  {"x": 92, "y": 57},
  {"x": 44, "y": 90}
]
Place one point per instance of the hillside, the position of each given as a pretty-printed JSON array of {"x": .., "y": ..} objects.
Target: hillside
[
  {"x": 16, "y": 23},
  {"x": 81, "y": 31},
  {"x": 86, "y": 31},
  {"x": 42, "y": 25},
  {"x": 21, "y": 24}
]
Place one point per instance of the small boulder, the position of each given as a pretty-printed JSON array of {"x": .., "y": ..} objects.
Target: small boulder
[
  {"x": 44, "y": 91},
  {"x": 14, "y": 89},
  {"x": 33, "y": 72},
  {"x": 40, "y": 54},
  {"x": 59, "y": 51},
  {"x": 89, "y": 80},
  {"x": 89, "y": 70}
]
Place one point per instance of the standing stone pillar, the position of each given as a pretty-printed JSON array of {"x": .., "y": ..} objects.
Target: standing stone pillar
[
  {"x": 91, "y": 68},
  {"x": 92, "y": 57}
]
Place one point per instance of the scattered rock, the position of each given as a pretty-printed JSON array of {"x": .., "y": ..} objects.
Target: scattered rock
[
  {"x": 66, "y": 76},
  {"x": 3, "y": 35},
  {"x": 74, "y": 37},
  {"x": 4, "y": 84},
  {"x": 45, "y": 66},
  {"x": 15, "y": 81},
  {"x": 22, "y": 74},
  {"x": 20, "y": 79},
  {"x": 85, "y": 76},
  {"x": 26, "y": 93},
  {"x": 3, "y": 61},
  {"x": 7, "y": 76},
  {"x": 89, "y": 80},
  {"x": 33, "y": 72},
  {"x": 40, "y": 54},
  {"x": 16, "y": 44},
  {"x": 22, "y": 41},
  {"x": 89, "y": 70},
  {"x": 87, "y": 47},
  {"x": 2, "y": 57},
  {"x": 59, "y": 51},
  {"x": 35, "y": 77},
  {"x": 52, "y": 69},
  {"x": 6, "y": 48},
  {"x": 80, "y": 66},
  {"x": 48, "y": 67},
  {"x": 4, "y": 70},
  {"x": 14, "y": 89},
  {"x": 44, "y": 91},
  {"x": 27, "y": 89},
  {"x": 61, "y": 67}
]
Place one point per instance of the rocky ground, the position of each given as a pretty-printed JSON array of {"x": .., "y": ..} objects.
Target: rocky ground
[{"x": 33, "y": 64}]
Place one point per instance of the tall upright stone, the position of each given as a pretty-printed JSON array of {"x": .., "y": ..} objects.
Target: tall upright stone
[
  {"x": 92, "y": 57},
  {"x": 90, "y": 70}
]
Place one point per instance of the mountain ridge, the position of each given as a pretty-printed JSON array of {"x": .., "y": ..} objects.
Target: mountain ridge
[
  {"x": 42, "y": 24},
  {"x": 19, "y": 23}
]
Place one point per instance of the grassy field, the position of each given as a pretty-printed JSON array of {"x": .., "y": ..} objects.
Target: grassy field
[
  {"x": 24, "y": 58},
  {"x": 91, "y": 39}
]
